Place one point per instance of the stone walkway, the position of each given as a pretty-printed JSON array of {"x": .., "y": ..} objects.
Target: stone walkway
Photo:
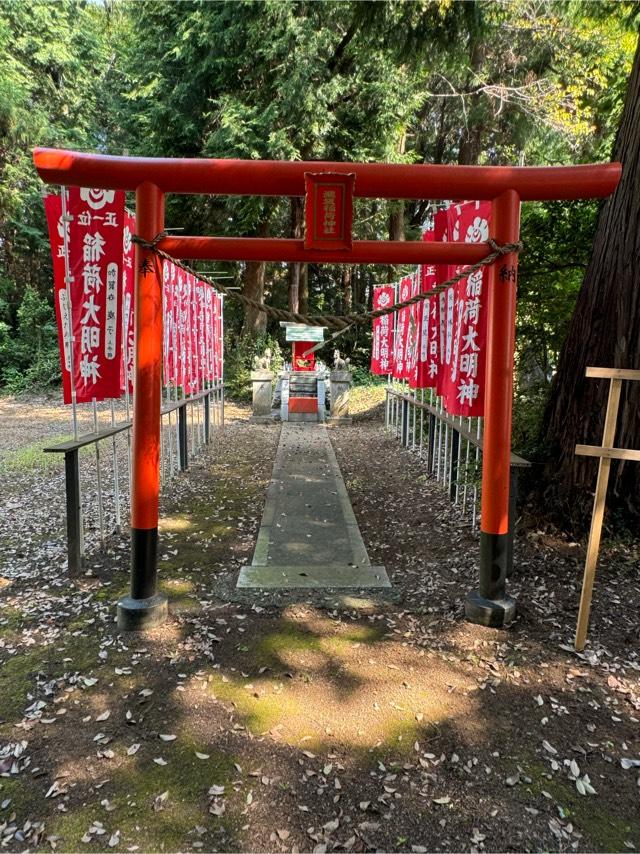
[{"x": 309, "y": 536}]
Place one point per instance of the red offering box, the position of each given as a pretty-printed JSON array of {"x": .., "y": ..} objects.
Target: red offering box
[{"x": 303, "y": 404}]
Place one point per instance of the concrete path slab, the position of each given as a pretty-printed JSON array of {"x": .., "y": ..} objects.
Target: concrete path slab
[
  {"x": 309, "y": 536},
  {"x": 313, "y": 576}
]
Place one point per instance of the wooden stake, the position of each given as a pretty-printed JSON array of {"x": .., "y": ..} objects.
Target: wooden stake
[{"x": 593, "y": 548}]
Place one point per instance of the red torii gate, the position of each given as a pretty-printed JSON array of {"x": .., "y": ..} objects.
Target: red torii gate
[{"x": 152, "y": 178}]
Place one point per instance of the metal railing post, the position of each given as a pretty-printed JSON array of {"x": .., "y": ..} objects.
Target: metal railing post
[
  {"x": 404, "y": 435},
  {"x": 207, "y": 416},
  {"x": 453, "y": 464},
  {"x": 431, "y": 439},
  {"x": 74, "y": 523},
  {"x": 182, "y": 437}
]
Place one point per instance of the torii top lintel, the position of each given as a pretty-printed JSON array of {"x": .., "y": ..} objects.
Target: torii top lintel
[{"x": 286, "y": 178}]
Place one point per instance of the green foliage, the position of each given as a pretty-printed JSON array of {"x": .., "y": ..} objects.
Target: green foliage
[
  {"x": 57, "y": 60},
  {"x": 239, "y": 361},
  {"x": 475, "y": 82},
  {"x": 363, "y": 377},
  {"x": 29, "y": 352}
]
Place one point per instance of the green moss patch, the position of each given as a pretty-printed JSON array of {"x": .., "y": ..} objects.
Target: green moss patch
[
  {"x": 33, "y": 456},
  {"x": 142, "y": 811},
  {"x": 603, "y": 830}
]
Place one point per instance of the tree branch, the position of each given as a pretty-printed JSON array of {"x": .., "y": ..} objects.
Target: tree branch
[{"x": 334, "y": 63}]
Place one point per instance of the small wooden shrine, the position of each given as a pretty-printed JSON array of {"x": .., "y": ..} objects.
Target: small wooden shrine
[{"x": 303, "y": 387}]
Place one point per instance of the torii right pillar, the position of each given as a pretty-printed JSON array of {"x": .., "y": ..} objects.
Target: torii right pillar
[{"x": 490, "y": 605}]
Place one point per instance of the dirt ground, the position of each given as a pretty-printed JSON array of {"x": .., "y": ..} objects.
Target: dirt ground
[{"x": 297, "y": 722}]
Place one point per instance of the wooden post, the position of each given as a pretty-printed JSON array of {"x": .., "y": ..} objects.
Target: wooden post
[{"x": 606, "y": 453}]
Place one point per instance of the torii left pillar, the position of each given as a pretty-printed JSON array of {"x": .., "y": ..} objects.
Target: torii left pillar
[{"x": 145, "y": 607}]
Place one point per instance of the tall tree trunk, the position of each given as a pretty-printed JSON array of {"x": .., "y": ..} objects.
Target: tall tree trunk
[
  {"x": 297, "y": 222},
  {"x": 255, "y": 321},
  {"x": 471, "y": 146},
  {"x": 471, "y": 140},
  {"x": 347, "y": 293},
  {"x": 304, "y": 289},
  {"x": 397, "y": 214},
  {"x": 604, "y": 332},
  {"x": 396, "y": 230}
]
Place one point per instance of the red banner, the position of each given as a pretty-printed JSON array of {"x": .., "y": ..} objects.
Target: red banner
[
  {"x": 464, "y": 364},
  {"x": 208, "y": 332},
  {"x": 171, "y": 321},
  {"x": 53, "y": 211},
  {"x": 426, "y": 369},
  {"x": 180, "y": 315},
  {"x": 413, "y": 333},
  {"x": 402, "y": 330},
  {"x": 218, "y": 326},
  {"x": 193, "y": 336},
  {"x": 101, "y": 317},
  {"x": 382, "y": 339},
  {"x": 440, "y": 342},
  {"x": 167, "y": 300},
  {"x": 202, "y": 349},
  {"x": 95, "y": 265}
]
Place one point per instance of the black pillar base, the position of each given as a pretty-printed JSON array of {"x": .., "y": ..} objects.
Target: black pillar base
[
  {"x": 136, "y": 615},
  {"x": 494, "y": 613},
  {"x": 490, "y": 605},
  {"x": 144, "y": 608}
]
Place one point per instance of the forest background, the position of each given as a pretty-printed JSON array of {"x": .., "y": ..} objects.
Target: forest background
[{"x": 525, "y": 83}]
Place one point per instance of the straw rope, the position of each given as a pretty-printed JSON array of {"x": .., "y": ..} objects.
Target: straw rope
[{"x": 340, "y": 322}]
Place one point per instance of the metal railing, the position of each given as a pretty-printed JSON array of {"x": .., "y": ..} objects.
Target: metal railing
[
  {"x": 185, "y": 431},
  {"x": 451, "y": 447}
]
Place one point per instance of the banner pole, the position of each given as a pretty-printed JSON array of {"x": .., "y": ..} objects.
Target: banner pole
[
  {"x": 466, "y": 469},
  {"x": 474, "y": 520},
  {"x": 175, "y": 320},
  {"x": 66, "y": 220},
  {"x": 163, "y": 437},
  {"x": 145, "y": 607},
  {"x": 222, "y": 360},
  {"x": 98, "y": 472},
  {"x": 199, "y": 368},
  {"x": 68, "y": 278},
  {"x": 191, "y": 374},
  {"x": 116, "y": 472},
  {"x": 125, "y": 362},
  {"x": 166, "y": 329}
]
